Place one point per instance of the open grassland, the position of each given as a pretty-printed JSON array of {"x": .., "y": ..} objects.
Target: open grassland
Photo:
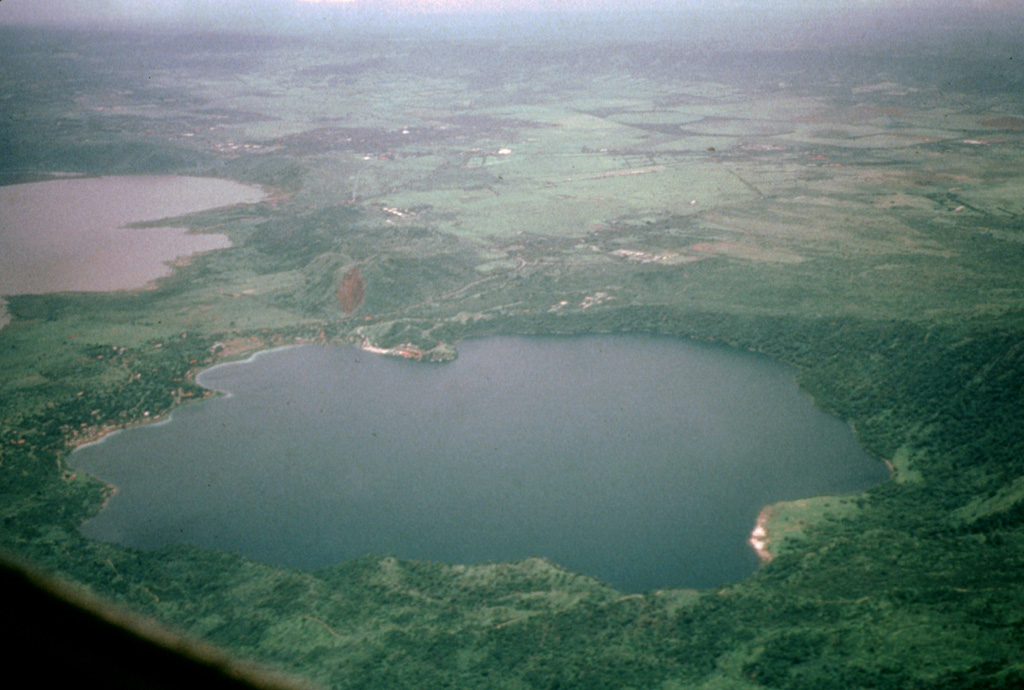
[{"x": 857, "y": 218}]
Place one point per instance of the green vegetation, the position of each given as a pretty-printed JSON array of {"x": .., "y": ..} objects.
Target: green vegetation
[{"x": 859, "y": 218}]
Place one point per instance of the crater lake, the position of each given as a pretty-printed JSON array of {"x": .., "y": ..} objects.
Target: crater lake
[{"x": 638, "y": 459}]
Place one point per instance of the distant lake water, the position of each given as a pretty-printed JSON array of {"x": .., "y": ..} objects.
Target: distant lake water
[
  {"x": 641, "y": 460},
  {"x": 69, "y": 234}
]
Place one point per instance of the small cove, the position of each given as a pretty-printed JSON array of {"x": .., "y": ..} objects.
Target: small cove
[{"x": 641, "y": 460}]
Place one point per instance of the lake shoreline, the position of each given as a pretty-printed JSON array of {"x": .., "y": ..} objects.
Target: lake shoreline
[
  {"x": 500, "y": 351},
  {"x": 48, "y": 250},
  {"x": 761, "y": 538}
]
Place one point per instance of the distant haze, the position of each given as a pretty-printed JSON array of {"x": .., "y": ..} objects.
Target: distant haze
[{"x": 274, "y": 14}]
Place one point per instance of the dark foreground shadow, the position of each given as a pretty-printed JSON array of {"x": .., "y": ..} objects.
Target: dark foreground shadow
[{"x": 54, "y": 636}]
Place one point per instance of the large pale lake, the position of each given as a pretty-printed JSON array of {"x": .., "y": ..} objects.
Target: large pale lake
[
  {"x": 641, "y": 460},
  {"x": 70, "y": 234}
]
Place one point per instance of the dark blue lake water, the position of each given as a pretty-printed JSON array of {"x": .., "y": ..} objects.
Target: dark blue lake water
[{"x": 641, "y": 460}]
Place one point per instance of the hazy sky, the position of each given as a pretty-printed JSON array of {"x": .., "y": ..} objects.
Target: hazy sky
[
  {"x": 273, "y": 15},
  {"x": 102, "y": 11},
  {"x": 77, "y": 11}
]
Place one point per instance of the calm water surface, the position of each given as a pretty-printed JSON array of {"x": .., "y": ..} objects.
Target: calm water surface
[
  {"x": 69, "y": 235},
  {"x": 638, "y": 459}
]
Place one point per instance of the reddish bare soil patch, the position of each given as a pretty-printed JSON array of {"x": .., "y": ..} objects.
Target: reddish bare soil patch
[
  {"x": 351, "y": 291},
  {"x": 1007, "y": 122}
]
